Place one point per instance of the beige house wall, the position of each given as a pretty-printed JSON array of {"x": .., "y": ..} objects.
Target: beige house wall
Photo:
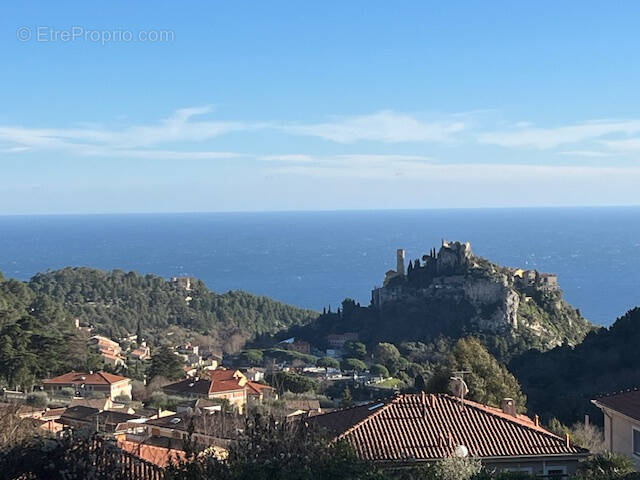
[
  {"x": 113, "y": 390},
  {"x": 121, "y": 388},
  {"x": 238, "y": 398},
  {"x": 618, "y": 434}
]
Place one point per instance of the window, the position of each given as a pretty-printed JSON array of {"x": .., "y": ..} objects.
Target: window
[
  {"x": 555, "y": 472},
  {"x": 519, "y": 469},
  {"x": 636, "y": 441}
]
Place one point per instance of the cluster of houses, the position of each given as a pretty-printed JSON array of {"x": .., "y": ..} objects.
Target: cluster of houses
[
  {"x": 112, "y": 352},
  {"x": 401, "y": 431}
]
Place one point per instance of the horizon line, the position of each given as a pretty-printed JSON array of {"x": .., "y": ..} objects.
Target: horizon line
[{"x": 335, "y": 210}]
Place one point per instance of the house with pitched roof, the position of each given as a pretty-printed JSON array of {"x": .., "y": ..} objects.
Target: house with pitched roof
[
  {"x": 88, "y": 384},
  {"x": 94, "y": 420},
  {"x": 621, "y": 422},
  {"x": 412, "y": 429},
  {"x": 109, "y": 350},
  {"x": 230, "y": 385}
]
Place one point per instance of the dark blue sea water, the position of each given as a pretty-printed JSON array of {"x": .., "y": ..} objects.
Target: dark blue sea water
[{"x": 313, "y": 259}]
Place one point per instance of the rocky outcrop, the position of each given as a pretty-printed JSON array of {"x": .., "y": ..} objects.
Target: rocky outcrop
[{"x": 492, "y": 300}]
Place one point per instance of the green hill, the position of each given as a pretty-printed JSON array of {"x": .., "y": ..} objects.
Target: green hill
[
  {"x": 561, "y": 382},
  {"x": 116, "y": 301},
  {"x": 38, "y": 337},
  {"x": 453, "y": 293}
]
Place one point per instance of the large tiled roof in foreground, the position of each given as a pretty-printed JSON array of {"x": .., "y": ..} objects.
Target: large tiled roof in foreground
[
  {"x": 627, "y": 402},
  {"x": 428, "y": 427}
]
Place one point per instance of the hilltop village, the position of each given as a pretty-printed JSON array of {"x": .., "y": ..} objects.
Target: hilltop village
[
  {"x": 429, "y": 358},
  {"x": 446, "y": 268}
]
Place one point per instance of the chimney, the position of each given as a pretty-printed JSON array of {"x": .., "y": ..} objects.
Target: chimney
[
  {"x": 536, "y": 420},
  {"x": 508, "y": 406},
  {"x": 566, "y": 439}
]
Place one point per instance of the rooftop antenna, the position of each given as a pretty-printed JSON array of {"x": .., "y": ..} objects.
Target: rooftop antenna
[{"x": 458, "y": 386}]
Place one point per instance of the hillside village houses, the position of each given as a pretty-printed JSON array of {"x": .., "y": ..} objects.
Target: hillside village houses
[
  {"x": 109, "y": 350},
  {"x": 88, "y": 384},
  {"x": 399, "y": 431},
  {"x": 229, "y": 385}
]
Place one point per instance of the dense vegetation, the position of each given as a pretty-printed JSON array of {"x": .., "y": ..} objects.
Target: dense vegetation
[
  {"x": 116, "y": 301},
  {"x": 561, "y": 382},
  {"x": 412, "y": 345},
  {"x": 38, "y": 338},
  {"x": 475, "y": 299},
  {"x": 34, "y": 335}
]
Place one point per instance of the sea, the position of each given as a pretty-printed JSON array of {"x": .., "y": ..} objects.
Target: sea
[{"x": 316, "y": 259}]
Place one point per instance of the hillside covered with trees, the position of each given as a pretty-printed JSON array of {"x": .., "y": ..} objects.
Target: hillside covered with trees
[
  {"x": 38, "y": 338},
  {"x": 453, "y": 293},
  {"x": 35, "y": 333},
  {"x": 561, "y": 382},
  {"x": 116, "y": 302}
]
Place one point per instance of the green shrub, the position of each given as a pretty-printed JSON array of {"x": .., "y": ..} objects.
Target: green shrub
[
  {"x": 327, "y": 362},
  {"x": 378, "y": 370},
  {"x": 353, "y": 365},
  {"x": 67, "y": 392},
  {"x": 605, "y": 466},
  {"x": 38, "y": 399}
]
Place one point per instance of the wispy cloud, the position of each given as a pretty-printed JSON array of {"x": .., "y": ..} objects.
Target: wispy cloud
[
  {"x": 586, "y": 153},
  {"x": 392, "y": 167},
  {"x": 178, "y": 128},
  {"x": 188, "y": 133},
  {"x": 384, "y": 126},
  {"x": 629, "y": 145},
  {"x": 184, "y": 127},
  {"x": 365, "y": 166},
  {"x": 546, "y": 138}
]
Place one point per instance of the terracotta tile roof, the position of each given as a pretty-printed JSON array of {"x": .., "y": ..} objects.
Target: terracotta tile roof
[
  {"x": 140, "y": 352},
  {"x": 218, "y": 381},
  {"x": 626, "y": 403},
  {"x": 53, "y": 413},
  {"x": 409, "y": 428},
  {"x": 97, "y": 378},
  {"x": 152, "y": 453},
  {"x": 220, "y": 386},
  {"x": 256, "y": 389},
  {"x": 302, "y": 404},
  {"x": 110, "y": 355}
]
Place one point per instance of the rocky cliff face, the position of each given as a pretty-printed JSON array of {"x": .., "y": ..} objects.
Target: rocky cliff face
[{"x": 473, "y": 295}]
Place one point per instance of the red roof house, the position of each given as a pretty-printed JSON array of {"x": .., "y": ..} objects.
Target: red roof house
[
  {"x": 230, "y": 385},
  {"x": 414, "y": 428},
  {"x": 87, "y": 384}
]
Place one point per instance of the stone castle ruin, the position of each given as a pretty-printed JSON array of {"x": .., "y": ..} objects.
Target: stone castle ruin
[{"x": 446, "y": 269}]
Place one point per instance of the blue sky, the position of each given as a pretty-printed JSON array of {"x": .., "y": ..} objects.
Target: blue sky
[{"x": 317, "y": 105}]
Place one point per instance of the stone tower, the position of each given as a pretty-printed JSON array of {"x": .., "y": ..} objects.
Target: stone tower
[{"x": 400, "y": 261}]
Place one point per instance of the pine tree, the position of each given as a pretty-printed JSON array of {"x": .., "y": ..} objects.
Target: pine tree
[
  {"x": 347, "y": 398},
  {"x": 139, "y": 332}
]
